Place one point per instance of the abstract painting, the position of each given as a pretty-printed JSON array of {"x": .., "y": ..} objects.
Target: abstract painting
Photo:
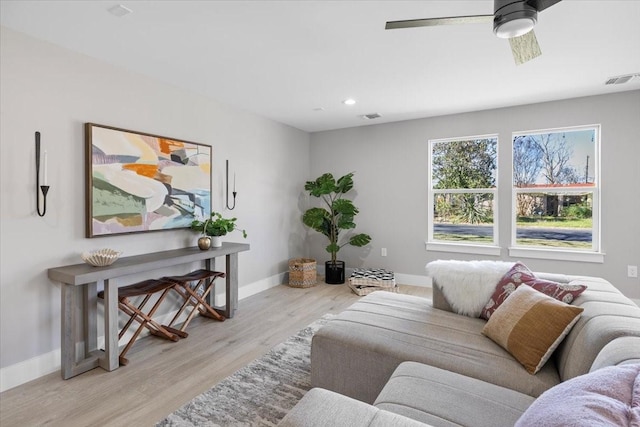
[{"x": 139, "y": 182}]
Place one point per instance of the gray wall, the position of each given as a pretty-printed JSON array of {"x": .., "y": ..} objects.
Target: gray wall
[
  {"x": 391, "y": 182},
  {"x": 52, "y": 90}
]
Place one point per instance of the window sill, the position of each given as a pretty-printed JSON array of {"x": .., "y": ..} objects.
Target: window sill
[
  {"x": 518, "y": 252},
  {"x": 463, "y": 248},
  {"x": 557, "y": 254}
]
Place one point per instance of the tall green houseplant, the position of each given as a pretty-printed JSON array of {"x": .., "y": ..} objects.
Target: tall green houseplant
[{"x": 338, "y": 215}]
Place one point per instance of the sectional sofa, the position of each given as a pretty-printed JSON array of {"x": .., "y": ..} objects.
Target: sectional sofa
[{"x": 393, "y": 359}]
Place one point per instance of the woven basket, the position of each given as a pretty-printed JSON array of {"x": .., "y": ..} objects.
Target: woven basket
[
  {"x": 363, "y": 281},
  {"x": 363, "y": 290},
  {"x": 302, "y": 273}
]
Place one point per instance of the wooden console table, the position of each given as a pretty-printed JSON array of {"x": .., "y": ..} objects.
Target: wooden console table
[{"x": 80, "y": 283}]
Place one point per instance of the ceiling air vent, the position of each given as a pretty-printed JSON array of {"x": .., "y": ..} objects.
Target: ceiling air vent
[
  {"x": 371, "y": 116},
  {"x": 621, "y": 79},
  {"x": 119, "y": 10}
]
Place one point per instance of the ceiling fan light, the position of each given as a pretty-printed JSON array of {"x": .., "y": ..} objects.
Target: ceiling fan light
[{"x": 515, "y": 28}]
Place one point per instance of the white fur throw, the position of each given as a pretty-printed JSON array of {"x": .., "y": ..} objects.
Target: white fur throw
[{"x": 467, "y": 285}]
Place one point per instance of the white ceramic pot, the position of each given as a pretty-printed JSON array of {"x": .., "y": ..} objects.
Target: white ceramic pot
[{"x": 216, "y": 241}]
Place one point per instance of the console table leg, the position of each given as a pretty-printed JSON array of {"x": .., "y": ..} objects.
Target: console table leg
[
  {"x": 232, "y": 285},
  {"x": 67, "y": 333},
  {"x": 70, "y": 365},
  {"x": 210, "y": 264},
  {"x": 90, "y": 317},
  {"x": 110, "y": 361}
]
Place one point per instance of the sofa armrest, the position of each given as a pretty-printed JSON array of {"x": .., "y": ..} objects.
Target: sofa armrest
[
  {"x": 321, "y": 408},
  {"x": 620, "y": 351},
  {"x": 439, "y": 300}
]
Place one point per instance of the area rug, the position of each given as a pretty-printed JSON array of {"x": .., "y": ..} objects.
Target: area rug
[{"x": 261, "y": 393}]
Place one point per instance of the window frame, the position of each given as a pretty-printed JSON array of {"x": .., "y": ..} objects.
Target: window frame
[
  {"x": 593, "y": 254},
  {"x": 446, "y": 246}
]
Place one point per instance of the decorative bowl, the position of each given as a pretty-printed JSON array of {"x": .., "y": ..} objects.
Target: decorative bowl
[{"x": 100, "y": 257}]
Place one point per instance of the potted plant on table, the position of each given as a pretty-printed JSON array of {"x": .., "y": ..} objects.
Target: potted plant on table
[
  {"x": 338, "y": 216},
  {"x": 214, "y": 228}
]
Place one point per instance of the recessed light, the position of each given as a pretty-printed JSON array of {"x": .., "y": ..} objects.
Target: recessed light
[
  {"x": 119, "y": 10},
  {"x": 349, "y": 101},
  {"x": 318, "y": 109}
]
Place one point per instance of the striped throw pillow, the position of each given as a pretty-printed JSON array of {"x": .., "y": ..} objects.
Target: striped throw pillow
[{"x": 530, "y": 325}]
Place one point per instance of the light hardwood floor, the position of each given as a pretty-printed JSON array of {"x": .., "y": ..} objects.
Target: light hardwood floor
[{"x": 162, "y": 376}]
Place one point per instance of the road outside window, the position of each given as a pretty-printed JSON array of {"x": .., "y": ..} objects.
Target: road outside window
[
  {"x": 463, "y": 190},
  {"x": 555, "y": 189}
]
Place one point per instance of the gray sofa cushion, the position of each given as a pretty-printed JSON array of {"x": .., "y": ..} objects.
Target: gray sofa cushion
[
  {"x": 356, "y": 353},
  {"x": 322, "y": 408},
  {"x": 445, "y": 399}
]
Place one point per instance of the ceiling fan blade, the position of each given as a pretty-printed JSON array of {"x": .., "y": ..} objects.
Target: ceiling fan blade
[
  {"x": 525, "y": 48},
  {"x": 432, "y": 22},
  {"x": 541, "y": 5}
]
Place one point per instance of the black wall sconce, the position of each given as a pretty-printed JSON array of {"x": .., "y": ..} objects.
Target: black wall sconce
[
  {"x": 44, "y": 188},
  {"x": 235, "y": 193}
]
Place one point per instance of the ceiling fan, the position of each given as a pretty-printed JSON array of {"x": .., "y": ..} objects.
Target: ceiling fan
[{"x": 512, "y": 19}]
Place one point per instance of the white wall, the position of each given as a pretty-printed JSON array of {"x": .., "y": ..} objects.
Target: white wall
[
  {"x": 49, "y": 89},
  {"x": 391, "y": 182}
]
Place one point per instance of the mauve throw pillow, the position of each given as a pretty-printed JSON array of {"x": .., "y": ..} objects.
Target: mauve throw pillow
[{"x": 521, "y": 275}]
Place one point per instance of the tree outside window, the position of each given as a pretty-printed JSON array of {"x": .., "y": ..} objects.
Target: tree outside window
[
  {"x": 555, "y": 188},
  {"x": 462, "y": 190}
]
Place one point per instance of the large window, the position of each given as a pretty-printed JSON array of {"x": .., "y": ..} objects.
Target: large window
[
  {"x": 463, "y": 191},
  {"x": 556, "y": 190}
]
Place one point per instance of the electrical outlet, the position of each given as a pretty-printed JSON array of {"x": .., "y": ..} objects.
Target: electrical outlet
[
  {"x": 632, "y": 270},
  {"x": 383, "y": 252}
]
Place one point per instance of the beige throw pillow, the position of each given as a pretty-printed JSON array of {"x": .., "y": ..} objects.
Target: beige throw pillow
[{"x": 530, "y": 325}]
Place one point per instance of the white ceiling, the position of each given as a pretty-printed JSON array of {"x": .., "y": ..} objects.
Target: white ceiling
[{"x": 286, "y": 59}]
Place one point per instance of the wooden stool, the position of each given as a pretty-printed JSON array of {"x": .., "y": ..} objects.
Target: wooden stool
[
  {"x": 195, "y": 295},
  {"x": 146, "y": 288}
]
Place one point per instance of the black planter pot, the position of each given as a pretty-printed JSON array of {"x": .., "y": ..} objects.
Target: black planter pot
[{"x": 334, "y": 272}]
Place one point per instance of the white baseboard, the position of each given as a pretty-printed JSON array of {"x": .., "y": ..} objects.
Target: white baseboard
[
  {"x": 29, "y": 370},
  {"x": 45, "y": 364},
  {"x": 253, "y": 288},
  {"x": 414, "y": 280}
]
